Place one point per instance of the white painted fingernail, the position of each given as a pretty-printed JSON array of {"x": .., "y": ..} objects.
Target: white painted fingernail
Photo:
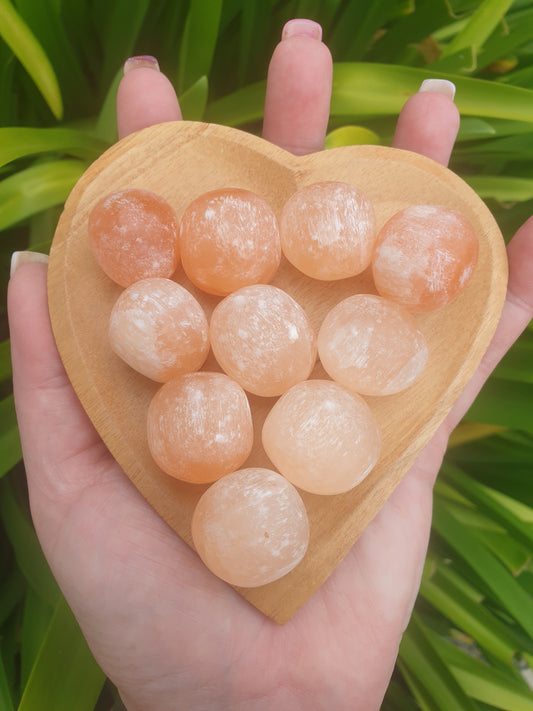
[
  {"x": 20, "y": 258},
  {"x": 144, "y": 60},
  {"x": 301, "y": 28},
  {"x": 440, "y": 86}
]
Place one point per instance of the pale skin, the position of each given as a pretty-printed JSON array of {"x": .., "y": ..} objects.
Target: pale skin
[{"x": 166, "y": 631}]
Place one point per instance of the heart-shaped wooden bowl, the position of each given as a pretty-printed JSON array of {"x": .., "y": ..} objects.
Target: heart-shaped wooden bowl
[{"x": 183, "y": 160}]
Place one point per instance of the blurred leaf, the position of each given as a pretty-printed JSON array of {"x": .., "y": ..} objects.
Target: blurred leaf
[
  {"x": 517, "y": 364},
  {"x": 106, "y": 125},
  {"x": 27, "y": 550},
  {"x": 10, "y": 451},
  {"x": 493, "y": 507},
  {"x": 501, "y": 583},
  {"x": 194, "y": 100},
  {"x": 64, "y": 676},
  {"x": 479, "y": 26},
  {"x": 504, "y": 402},
  {"x": 121, "y": 23},
  {"x": 471, "y": 431},
  {"x": 198, "y": 42},
  {"x": 501, "y": 187},
  {"x": 6, "y": 700},
  {"x": 240, "y": 107},
  {"x": 483, "y": 682},
  {"x": 470, "y": 617},
  {"x": 37, "y": 188},
  {"x": 351, "y": 136},
  {"x": 254, "y": 19},
  {"x": 431, "y": 673},
  {"x": 12, "y": 590},
  {"x": 35, "y": 622},
  {"x": 5, "y": 360},
  {"x": 17, "y": 35},
  {"x": 18, "y": 142}
]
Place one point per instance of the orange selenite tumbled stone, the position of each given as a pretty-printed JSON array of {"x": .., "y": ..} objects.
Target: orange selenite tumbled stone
[
  {"x": 328, "y": 230},
  {"x": 134, "y": 235},
  {"x": 159, "y": 329},
  {"x": 424, "y": 257},
  {"x": 229, "y": 238},
  {"x": 263, "y": 339},
  {"x": 323, "y": 438},
  {"x": 251, "y": 527},
  {"x": 200, "y": 427},
  {"x": 372, "y": 345}
]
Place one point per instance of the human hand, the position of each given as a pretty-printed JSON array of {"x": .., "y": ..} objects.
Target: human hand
[{"x": 166, "y": 631}]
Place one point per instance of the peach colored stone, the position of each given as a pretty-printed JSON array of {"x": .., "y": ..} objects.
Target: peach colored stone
[
  {"x": 372, "y": 345},
  {"x": 263, "y": 339},
  {"x": 158, "y": 328},
  {"x": 328, "y": 230},
  {"x": 134, "y": 235},
  {"x": 425, "y": 256},
  {"x": 322, "y": 437},
  {"x": 200, "y": 427},
  {"x": 229, "y": 238},
  {"x": 251, "y": 527}
]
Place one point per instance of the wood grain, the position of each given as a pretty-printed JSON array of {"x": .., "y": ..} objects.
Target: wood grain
[{"x": 183, "y": 160}]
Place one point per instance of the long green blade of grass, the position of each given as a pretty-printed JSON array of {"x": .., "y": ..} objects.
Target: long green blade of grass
[
  {"x": 17, "y": 35},
  {"x": 19, "y": 142},
  {"x": 505, "y": 589},
  {"x": 26, "y": 548},
  {"x": 5, "y": 361},
  {"x": 430, "y": 672},
  {"x": 37, "y": 188},
  {"x": 198, "y": 42},
  {"x": 10, "y": 452},
  {"x": 6, "y": 700},
  {"x": 65, "y": 675},
  {"x": 483, "y": 682},
  {"x": 504, "y": 402}
]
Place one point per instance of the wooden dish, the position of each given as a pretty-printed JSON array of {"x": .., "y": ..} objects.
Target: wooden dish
[{"x": 183, "y": 160}]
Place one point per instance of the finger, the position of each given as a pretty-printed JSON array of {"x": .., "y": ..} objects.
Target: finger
[
  {"x": 516, "y": 314},
  {"x": 145, "y": 97},
  {"x": 298, "y": 90},
  {"x": 429, "y": 121}
]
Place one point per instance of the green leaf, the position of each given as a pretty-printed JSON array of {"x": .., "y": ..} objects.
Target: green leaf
[
  {"x": 503, "y": 586},
  {"x": 470, "y": 617},
  {"x": 26, "y": 547},
  {"x": 35, "y": 621},
  {"x": 423, "y": 663},
  {"x": 5, "y": 360},
  {"x": 64, "y": 676},
  {"x": 6, "y": 700},
  {"x": 381, "y": 89},
  {"x": 479, "y": 27},
  {"x": 504, "y": 402},
  {"x": 194, "y": 100},
  {"x": 517, "y": 364},
  {"x": 198, "y": 42},
  {"x": 10, "y": 451},
  {"x": 483, "y": 682},
  {"x": 106, "y": 124},
  {"x": 18, "y": 142},
  {"x": 121, "y": 23},
  {"x": 17, "y": 35},
  {"x": 501, "y": 187},
  {"x": 241, "y": 107},
  {"x": 37, "y": 188},
  {"x": 11, "y": 592}
]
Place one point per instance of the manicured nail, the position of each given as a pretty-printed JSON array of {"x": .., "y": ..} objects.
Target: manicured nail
[
  {"x": 302, "y": 28},
  {"x": 142, "y": 61},
  {"x": 441, "y": 86},
  {"x": 19, "y": 258}
]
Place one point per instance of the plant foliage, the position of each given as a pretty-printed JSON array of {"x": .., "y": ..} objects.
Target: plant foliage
[{"x": 470, "y": 643}]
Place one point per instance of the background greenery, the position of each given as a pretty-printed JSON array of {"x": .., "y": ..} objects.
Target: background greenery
[{"x": 470, "y": 643}]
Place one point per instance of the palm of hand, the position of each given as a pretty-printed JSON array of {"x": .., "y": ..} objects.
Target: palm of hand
[{"x": 167, "y": 632}]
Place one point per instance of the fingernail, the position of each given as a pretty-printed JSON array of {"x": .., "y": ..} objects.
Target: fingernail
[
  {"x": 441, "y": 86},
  {"x": 302, "y": 28},
  {"x": 141, "y": 61},
  {"x": 19, "y": 258}
]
